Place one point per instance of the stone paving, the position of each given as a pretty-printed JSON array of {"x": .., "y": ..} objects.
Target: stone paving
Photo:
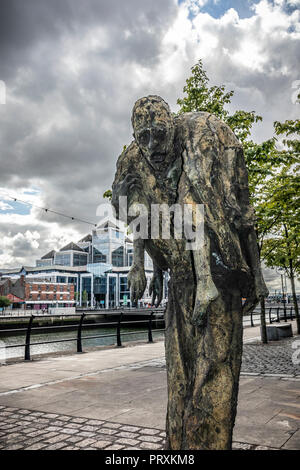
[
  {"x": 273, "y": 358},
  {"x": 31, "y": 430},
  {"x": 116, "y": 400}
]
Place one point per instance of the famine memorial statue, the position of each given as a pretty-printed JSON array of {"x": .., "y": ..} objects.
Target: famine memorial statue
[{"x": 192, "y": 160}]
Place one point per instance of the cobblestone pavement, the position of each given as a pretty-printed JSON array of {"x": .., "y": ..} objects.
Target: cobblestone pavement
[
  {"x": 32, "y": 430},
  {"x": 268, "y": 359},
  {"x": 269, "y": 416},
  {"x": 271, "y": 358}
]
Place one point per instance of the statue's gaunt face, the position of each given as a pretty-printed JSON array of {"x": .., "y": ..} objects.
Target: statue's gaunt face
[{"x": 154, "y": 133}]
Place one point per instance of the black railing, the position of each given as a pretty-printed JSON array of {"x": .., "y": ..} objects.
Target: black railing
[
  {"x": 275, "y": 314},
  {"x": 121, "y": 314}
]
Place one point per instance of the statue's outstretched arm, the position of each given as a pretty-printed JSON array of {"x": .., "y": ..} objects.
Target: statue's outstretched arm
[{"x": 136, "y": 277}]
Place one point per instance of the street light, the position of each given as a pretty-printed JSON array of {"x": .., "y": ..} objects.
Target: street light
[{"x": 282, "y": 273}]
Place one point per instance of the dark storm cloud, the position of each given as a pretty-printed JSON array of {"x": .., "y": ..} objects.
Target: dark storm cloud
[
  {"x": 63, "y": 129},
  {"x": 73, "y": 70},
  {"x": 24, "y": 24}
]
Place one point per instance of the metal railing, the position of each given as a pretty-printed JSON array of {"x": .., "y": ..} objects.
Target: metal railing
[
  {"x": 274, "y": 314},
  {"x": 121, "y": 322}
]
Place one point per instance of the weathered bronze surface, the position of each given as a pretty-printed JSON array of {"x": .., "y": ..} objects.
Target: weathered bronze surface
[{"x": 195, "y": 158}]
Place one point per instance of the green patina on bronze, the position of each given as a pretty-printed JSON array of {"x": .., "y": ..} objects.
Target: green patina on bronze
[{"x": 193, "y": 159}]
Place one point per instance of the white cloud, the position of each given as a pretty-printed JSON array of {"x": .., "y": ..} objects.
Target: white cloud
[{"x": 72, "y": 78}]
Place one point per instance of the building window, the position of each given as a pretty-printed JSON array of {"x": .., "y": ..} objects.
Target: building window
[
  {"x": 117, "y": 256},
  {"x": 79, "y": 259},
  {"x": 63, "y": 259}
]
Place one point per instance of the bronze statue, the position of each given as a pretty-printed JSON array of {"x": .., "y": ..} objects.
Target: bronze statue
[{"x": 194, "y": 159}]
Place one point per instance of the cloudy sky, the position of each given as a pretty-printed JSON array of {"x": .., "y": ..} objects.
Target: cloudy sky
[{"x": 72, "y": 70}]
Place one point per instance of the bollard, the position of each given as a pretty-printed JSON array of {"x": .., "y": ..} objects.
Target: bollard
[
  {"x": 270, "y": 318},
  {"x": 27, "y": 341},
  {"x": 150, "y": 338},
  {"x": 79, "y": 340},
  {"x": 278, "y": 316},
  {"x": 119, "y": 343}
]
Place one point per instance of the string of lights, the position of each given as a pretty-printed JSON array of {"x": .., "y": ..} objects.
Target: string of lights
[{"x": 47, "y": 210}]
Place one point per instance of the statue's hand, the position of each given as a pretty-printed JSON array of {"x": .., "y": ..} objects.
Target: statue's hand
[
  {"x": 205, "y": 294},
  {"x": 136, "y": 282},
  {"x": 156, "y": 287}
]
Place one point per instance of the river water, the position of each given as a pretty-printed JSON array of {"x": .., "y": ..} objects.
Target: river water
[{"x": 70, "y": 346}]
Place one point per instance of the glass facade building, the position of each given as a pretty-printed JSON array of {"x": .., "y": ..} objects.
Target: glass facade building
[{"x": 102, "y": 261}]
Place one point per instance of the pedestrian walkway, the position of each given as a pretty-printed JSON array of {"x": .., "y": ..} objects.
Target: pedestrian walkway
[{"x": 116, "y": 399}]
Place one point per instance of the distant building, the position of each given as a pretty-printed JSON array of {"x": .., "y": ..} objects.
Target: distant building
[
  {"x": 42, "y": 294},
  {"x": 96, "y": 266},
  {"x": 37, "y": 293},
  {"x": 14, "y": 290}
]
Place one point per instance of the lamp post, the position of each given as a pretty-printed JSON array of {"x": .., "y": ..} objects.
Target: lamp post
[{"x": 281, "y": 272}]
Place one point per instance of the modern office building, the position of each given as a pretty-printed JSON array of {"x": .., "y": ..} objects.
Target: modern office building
[{"x": 97, "y": 266}]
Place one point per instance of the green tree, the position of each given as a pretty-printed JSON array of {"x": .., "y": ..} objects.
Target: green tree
[
  {"x": 213, "y": 99},
  {"x": 201, "y": 97},
  {"x": 108, "y": 194},
  {"x": 264, "y": 161},
  {"x": 4, "y": 302}
]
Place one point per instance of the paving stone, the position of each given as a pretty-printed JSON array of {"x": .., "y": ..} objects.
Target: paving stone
[
  {"x": 58, "y": 438},
  {"x": 130, "y": 428},
  {"x": 13, "y": 447},
  {"x": 74, "y": 439},
  {"x": 89, "y": 428},
  {"x": 131, "y": 435},
  {"x": 57, "y": 446},
  {"x": 240, "y": 446},
  {"x": 37, "y": 446},
  {"x": 95, "y": 422},
  {"x": 64, "y": 418},
  {"x": 149, "y": 431},
  {"x": 87, "y": 434},
  {"x": 150, "y": 438},
  {"x": 128, "y": 441},
  {"x": 114, "y": 447},
  {"x": 101, "y": 444},
  {"x": 86, "y": 443},
  {"x": 112, "y": 425},
  {"x": 50, "y": 416},
  {"x": 71, "y": 431},
  {"x": 50, "y": 435},
  {"x": 54, "y": 428},
  {"x": 264, "y": 448},
  {"x": 151, "y": 446},
  {"x": 35, "y": 433},
  {"x": 109, "y": 432},
  {"x": 73, "y": 425},
  {"x": 79, "y": 420}
]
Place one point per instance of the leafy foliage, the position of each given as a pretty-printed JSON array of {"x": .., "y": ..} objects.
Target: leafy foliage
[{"x": 4, "y": 302}]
